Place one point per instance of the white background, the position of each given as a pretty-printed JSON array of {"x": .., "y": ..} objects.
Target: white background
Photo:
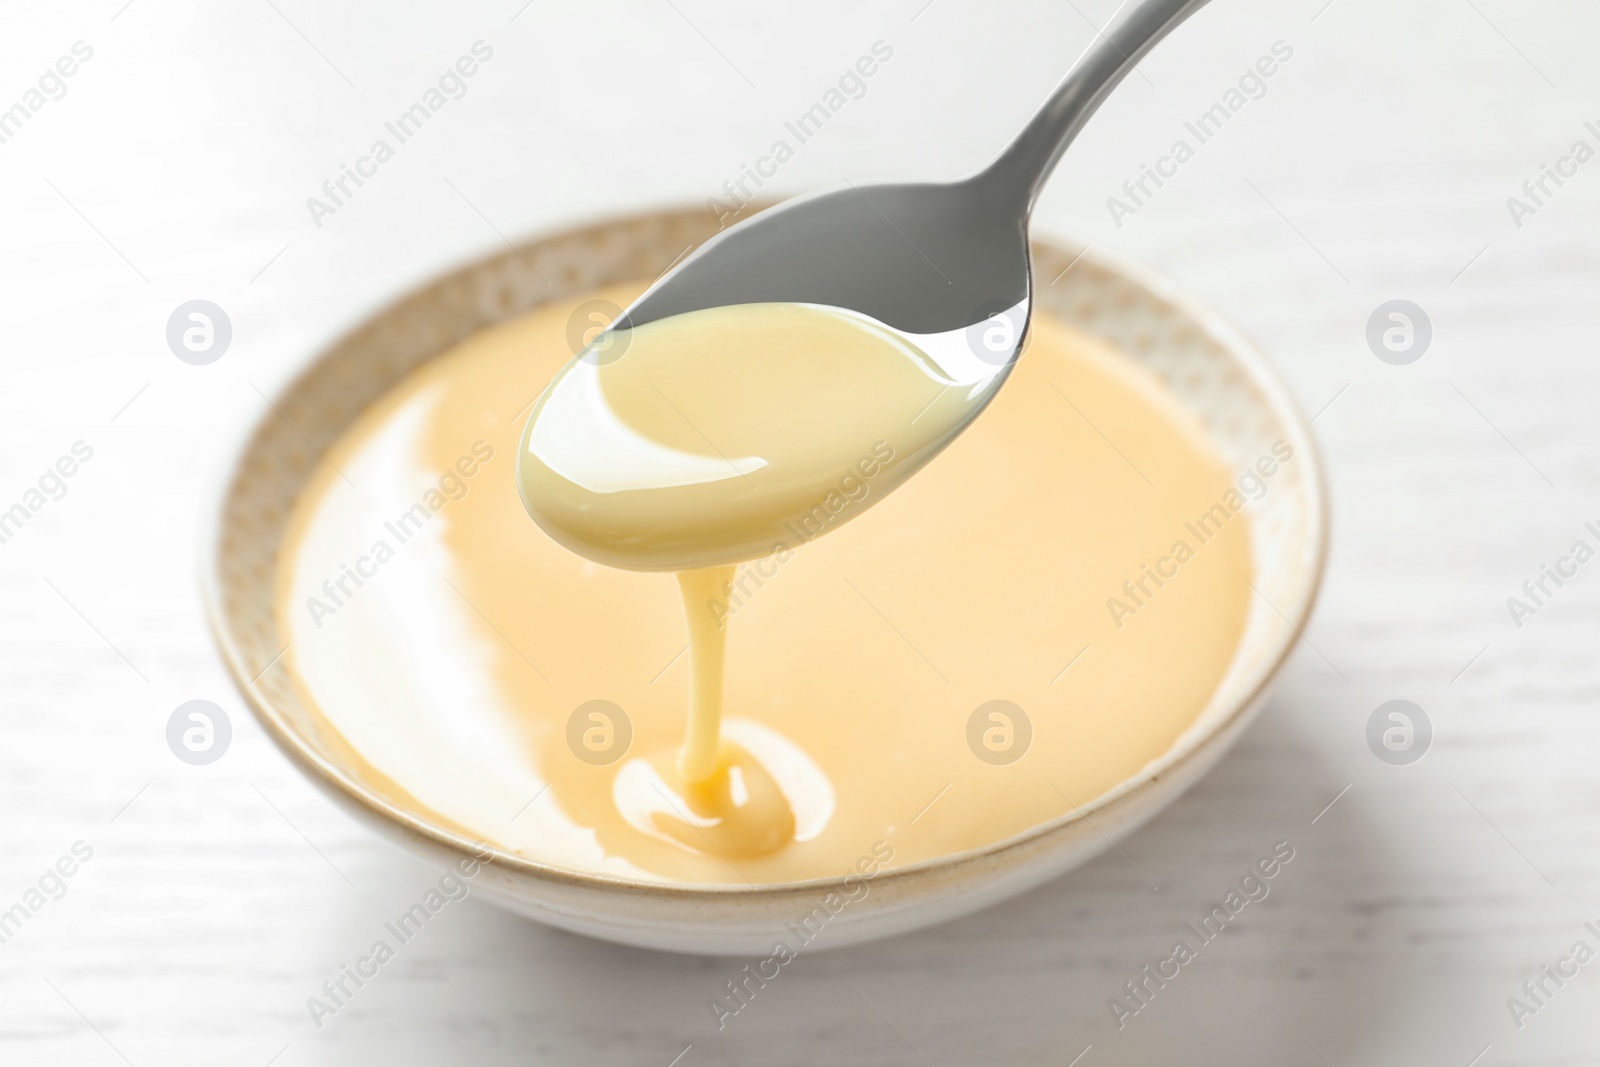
[{"x": 1377, "y": 166}]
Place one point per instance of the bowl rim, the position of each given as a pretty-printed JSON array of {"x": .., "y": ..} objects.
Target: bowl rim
[{"x": 328, "y": 776}]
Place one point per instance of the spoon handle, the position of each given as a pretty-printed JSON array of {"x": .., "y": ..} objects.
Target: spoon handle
[{"x": 1021, "y": 169}]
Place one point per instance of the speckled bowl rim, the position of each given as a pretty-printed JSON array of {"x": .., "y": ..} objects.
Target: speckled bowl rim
[{"x": 1186, "y": 750}]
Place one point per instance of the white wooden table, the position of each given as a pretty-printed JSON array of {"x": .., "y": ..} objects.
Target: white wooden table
[{"x": 176, "y": 165}]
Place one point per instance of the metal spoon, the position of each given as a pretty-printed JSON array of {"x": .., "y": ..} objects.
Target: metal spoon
[{"x": 946, "y": 265}]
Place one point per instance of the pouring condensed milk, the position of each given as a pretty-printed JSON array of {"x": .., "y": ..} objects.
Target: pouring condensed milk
[
  {"x": 829, "y": 641},
  {"x": 724, "y": 435}
]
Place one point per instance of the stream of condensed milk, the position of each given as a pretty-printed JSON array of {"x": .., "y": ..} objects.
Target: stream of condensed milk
[
  {"x": 702, "y": 742},
  {"x": 494, "y": 680}
]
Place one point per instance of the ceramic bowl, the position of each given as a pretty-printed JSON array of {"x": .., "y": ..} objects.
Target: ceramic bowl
[{"x": 1210, "y": 367}]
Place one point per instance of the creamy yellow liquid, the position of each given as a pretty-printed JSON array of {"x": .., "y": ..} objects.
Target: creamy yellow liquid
[{"x": 462, "y": 667}]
